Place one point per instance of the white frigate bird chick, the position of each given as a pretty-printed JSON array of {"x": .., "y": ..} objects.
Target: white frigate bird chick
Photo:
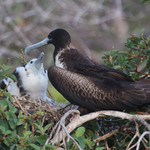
[{"x": 32, "y": 80}]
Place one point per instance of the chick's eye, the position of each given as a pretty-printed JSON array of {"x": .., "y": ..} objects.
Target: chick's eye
[{"x": 31, "y": 62}]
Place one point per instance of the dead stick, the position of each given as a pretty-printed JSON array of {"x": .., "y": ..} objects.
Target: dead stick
[
  {"x": 20, "y": 106},
  {"x": 104, "y": 137}
]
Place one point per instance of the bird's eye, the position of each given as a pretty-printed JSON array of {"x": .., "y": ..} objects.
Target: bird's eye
[{"x": 31, "y": 62}]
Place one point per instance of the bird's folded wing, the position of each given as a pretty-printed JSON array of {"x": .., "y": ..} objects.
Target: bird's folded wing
[
  {"x": 90, "y": 92},
  {"x": 97, "y": 70}
]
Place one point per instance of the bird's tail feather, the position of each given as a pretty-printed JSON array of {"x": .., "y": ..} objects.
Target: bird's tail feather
[{"x": 140, "y": 92}]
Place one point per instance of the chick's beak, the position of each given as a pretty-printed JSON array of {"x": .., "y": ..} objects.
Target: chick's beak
[{"x": 39, "y": 61}]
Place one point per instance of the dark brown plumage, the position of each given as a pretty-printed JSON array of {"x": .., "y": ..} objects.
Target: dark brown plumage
[{"x": 88, "y": 84}]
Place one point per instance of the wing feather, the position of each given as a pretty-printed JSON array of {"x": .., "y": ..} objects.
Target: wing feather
[{"x": 90, "y": 92}]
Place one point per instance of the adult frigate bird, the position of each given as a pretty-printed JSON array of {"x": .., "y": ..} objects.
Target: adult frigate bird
[
  {"x": 32, "y": 80},
  {"x": 88, "y": 84}
]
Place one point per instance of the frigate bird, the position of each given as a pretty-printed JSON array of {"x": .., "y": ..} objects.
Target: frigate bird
[
  {"x": 88, "y": 84},
  {"x": 32, "y": 80}
]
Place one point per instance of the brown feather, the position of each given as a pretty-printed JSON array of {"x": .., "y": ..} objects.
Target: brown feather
[{"x": 96, "y": 94}]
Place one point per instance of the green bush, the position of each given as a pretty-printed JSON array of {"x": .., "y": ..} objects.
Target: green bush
[{"x": 134, "y": 60}]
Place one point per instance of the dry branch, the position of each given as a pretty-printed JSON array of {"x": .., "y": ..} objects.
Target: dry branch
[
  {"x": 79, "y": 120},
  {"x": 104, "y": 137},
  {"x": 140, "y": 139},
  {"x": 137, "y": 134}
]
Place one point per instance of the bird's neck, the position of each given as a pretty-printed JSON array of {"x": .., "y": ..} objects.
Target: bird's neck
[
  {"x": 58, "y": 62},
  {"x": 61, "y": 55}
]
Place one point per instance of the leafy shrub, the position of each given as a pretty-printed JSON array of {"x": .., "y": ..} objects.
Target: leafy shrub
[{"x": 135, "y": 60}]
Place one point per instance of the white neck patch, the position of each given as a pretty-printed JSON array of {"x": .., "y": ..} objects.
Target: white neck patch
[{"x": 57, "y": 62}]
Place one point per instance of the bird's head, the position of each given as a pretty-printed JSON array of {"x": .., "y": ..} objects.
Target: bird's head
[
  {"x": 35, "y": 65},
  {"x": 60, "y": 38}
]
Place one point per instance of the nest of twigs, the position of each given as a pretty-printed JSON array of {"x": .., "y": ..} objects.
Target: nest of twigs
[{"x": 40, "y": 109}]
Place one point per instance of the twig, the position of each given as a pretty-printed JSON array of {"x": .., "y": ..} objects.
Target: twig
[
  {"x": 50, "y": 94},
  {"x": 136, "y": 135},
  {"x": 59, "y": 136},
  {"x": 52, "y": 132},
  {"x": 106, "y": 145},
  {"x": 79, "y": 120},
  {"x": 22, "y": 57},
  {"x": 20, "y": 106},
  {"x": 145, "y": 42},
  {"x": 61, "y": 123},
  {"x": 144, "y": 123},
  {"x": 141, "y": 137},
  {"x": 104, "y": 137}
]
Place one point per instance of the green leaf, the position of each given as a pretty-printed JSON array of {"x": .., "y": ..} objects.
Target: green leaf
[
  {"x": 143, "y": 1},
  {"x": 3, "y": 105},
  {"x": 35, "y": 146},
  {"x": 89, "y": 133},
  {"x": 13, "y": 110},
  {"x": 14, "y": 118},
  {"x": 48, "y": 147},
  {"x": 5, "y": 67},
  {"x": 41, "y": 139},
  {"x": 112, "y": 52},
  {"x": 117, "y": 67},
  {"x": 121, "y": 60},
  {"x": 12, "y": 76},
  {"x": 95, "y": 136},
  {"x": 6, "y": 142},
  {"x": 69, "y": 144},
  {"x": 2, "y": 129},
  {"x": 19, "y": 122},
  {"x": 7, "y": 132},
  {"x": 32, "y": 139},
  {"x": 80, "y": 131},
  {"x": 7, "y": 114},
  {"x": 142, "y": 44},
  {"x": 89, "y": 143},
  {"x": 81, "y": 142},
  {"x": 4, "y": 123},
  {"x": 20, "y": 130},
  {"x": 100, "y": 148},
  {"x": 27, "y": 133},
  {"x": 47, "y": 126},
  {"x": 9, "y": 95},
  {"x": 39, "y": 127},
  {"x": 12, "y": 123},
  {"x": 9, "y": 103},
  {"x": 12, "y": 147}
]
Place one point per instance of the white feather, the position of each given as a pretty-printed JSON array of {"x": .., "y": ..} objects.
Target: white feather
[
  {"x": 12, "y": 87},
  {"x": 57, "y": 62},
  {"x": 35, "y": 83}
]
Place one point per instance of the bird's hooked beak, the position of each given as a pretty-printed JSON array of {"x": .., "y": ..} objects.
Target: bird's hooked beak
[
  {"x": 37, "y": 45},
  {"x": 39, "y": 61}
]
